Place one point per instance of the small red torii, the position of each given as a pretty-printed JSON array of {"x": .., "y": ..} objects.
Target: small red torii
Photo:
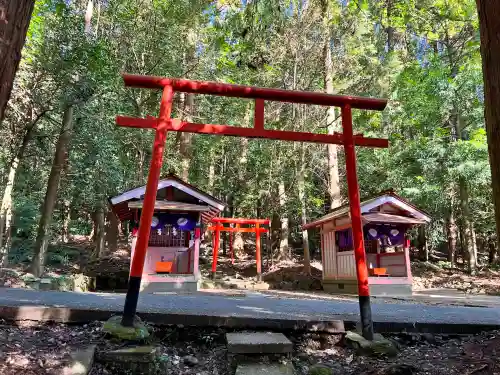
[
  {"x": 164, "y": 123},
  {"x": 219, "y": 227}
]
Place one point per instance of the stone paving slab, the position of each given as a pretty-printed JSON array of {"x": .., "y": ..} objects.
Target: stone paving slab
[
  {"x": 252, "y": 311},
  {"x": 258, "y": 343}
]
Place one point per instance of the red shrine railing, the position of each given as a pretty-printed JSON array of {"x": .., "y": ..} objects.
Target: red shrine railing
[{"x": 164, "y": 123}]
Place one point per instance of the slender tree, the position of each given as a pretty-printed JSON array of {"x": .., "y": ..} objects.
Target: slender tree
[{"x": 42, "y": 237}]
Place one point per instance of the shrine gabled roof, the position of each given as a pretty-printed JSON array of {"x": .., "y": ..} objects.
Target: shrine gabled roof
[
  {"x": 120, "y": 203},
  {"x": 386, "y": 197}
]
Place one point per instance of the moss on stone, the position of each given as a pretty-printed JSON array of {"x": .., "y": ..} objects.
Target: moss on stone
[{"x": 136, "y": 333}]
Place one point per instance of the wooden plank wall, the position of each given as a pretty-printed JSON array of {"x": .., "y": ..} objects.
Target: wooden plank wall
[
  {"x": 346, "y": 265},
  {"x": 329, "y": 259}
]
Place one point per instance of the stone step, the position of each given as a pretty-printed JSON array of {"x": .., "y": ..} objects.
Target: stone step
[{"x": 258, "y": 343}]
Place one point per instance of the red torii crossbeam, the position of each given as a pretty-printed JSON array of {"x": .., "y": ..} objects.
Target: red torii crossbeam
[{"x": 164, "y": 123}]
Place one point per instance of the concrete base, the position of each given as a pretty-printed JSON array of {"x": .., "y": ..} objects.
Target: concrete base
[
  {"x": 169, "y": 283},
  {"x": 351, "y": 287},
  {"x": 258, "y": 343}
]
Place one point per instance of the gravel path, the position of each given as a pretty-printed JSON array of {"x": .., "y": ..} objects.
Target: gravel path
[{"x": 257, "y": 306}]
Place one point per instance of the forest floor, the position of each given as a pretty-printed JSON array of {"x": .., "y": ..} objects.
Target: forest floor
[{"x": 45, "y": 349}]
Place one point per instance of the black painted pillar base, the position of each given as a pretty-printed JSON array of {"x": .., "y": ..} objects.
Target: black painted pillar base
[
  {"x": 259, "y": 277},
  {"x": 366, "y": 317},
  {"x": 214, "y": 275},
  {"x": 130, "y": 308}
]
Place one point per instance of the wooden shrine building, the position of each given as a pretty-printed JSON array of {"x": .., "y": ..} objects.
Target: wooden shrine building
[
  {"x": 386, "y": 220},
  {"x": 172, "y": 257}
]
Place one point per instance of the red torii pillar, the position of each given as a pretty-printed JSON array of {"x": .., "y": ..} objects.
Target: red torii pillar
[
  {"x": 134, "y": 281},
  {"x": 215, "y": 249},
  {"x": 164, "y": 123}
]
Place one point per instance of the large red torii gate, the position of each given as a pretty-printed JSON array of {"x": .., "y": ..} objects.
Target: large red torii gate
[{"x": 164, "y": 123}]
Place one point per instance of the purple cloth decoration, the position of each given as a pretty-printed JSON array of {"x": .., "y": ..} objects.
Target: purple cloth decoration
[
  {"x": 385, "y": 230},
  {"x": 344, "y": 238},
  {"x": 173, "y": 220}
]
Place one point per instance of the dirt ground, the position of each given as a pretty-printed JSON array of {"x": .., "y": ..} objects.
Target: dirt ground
[
  {"x": 43, "y": 349},
  {"x": 429, "y": 276}
]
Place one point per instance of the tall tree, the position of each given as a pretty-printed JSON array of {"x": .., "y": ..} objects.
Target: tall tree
[
  {"x": 14, "y": 21},
  {"x": 332, "y": 121},
  {"x": 489, "y": 25},
  {"x": 42, "y": 237}
]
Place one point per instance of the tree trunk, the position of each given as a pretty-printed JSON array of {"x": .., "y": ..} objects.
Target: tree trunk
[
  {"x": 211, "y": 175},
  {"x": 224, "y": 243},
  {"x": 42, "y": 237},
  {"x": 452, "y": 231},
  {"x": 88, "y": 17},
  {"x": 6, "y": 207},
  {"x": 284, "y": 252},
  {"x": 474, "y": 242},
  {"x": 389, "y": 28},
  {"x": 489, "y": 25},
  {"x": 331, "y": 114},
  {"x": 112, "y": 232},
  {"x": 422, "y": 241},
  {"x": 242, "y": 169},
  {"x": 467, "y": 227},
  {"x": 66, "y": 221},
  {"x": 185, "y": 139},
  {"x": 14, "y": 21},
  {"x": 140, "y": 166},
  {"x": 303, "y": 206},
  {"x": 492, "y": 251},
  {"x": 99, "y": 235}
]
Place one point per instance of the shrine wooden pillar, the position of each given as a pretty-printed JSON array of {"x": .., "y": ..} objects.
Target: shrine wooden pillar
[
  {"x": 406, "y": 249},
  {"x": 197, "y": 239}
]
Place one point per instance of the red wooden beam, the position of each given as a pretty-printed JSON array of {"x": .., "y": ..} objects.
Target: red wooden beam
[
  {"x": 259, "y": 114},
  {"x": 214, "y": 129},
  {"x": 231, "y": 220},
  {"x": 239, "y": 91},
  {"x": 241, "y": 230}
]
